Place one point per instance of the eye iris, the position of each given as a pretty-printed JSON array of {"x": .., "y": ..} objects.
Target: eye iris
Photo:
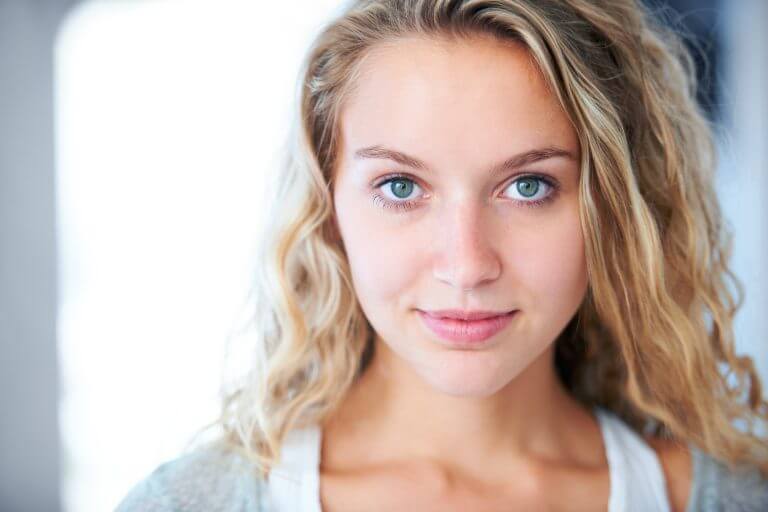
[
  {"x": 528, "y": 187},
  {"x": 401, "y": 188}
]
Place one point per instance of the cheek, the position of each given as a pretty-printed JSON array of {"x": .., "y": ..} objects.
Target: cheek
[
  {"x": 552, "y": 266},
  {"x": 383, "y": 259}
]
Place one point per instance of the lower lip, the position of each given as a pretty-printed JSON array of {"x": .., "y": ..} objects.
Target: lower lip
[{"x": 466, "y": 331}]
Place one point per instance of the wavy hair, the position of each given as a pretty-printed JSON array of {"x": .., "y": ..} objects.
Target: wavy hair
[{"x": 653, "y": 339}]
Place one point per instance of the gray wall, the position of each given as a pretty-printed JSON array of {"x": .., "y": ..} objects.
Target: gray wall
[
  {"x": 744, "y": 176},
  {"x": 29, "y": 447}
]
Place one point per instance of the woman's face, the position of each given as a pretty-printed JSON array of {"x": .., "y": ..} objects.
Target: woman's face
[{"x": 457, "y": 188}]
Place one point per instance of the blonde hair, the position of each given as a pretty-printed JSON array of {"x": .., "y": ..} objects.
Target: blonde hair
[{"x": 653, "y": 339}]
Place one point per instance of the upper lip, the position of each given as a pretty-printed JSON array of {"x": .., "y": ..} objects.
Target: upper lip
[{"x": 461, "y": 314}]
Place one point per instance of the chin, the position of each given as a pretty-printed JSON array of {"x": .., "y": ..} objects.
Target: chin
[{"x": 465, "y": 381}]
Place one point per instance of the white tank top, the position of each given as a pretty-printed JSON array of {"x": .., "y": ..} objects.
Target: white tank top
[{"x": 636, "y": 479}]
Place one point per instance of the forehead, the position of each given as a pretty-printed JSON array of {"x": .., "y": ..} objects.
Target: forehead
[{"x": 474, "y": 96}]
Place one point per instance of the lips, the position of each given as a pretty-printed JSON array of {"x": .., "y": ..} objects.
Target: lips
[
  {"x": 465, "y": 327},
  {"x": 459, "y": 314}
]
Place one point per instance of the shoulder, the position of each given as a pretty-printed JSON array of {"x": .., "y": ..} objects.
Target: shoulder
[
  {"x": 209, "y": 478},
  {"x": 716, "y": 486},
  {"x": 698, "y": 482}
]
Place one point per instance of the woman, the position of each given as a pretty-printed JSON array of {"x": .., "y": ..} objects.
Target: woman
[{"x": 497, "y": 279}]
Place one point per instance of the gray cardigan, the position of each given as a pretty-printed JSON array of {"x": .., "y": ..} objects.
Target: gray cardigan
[{"x": 217, "y": 479}]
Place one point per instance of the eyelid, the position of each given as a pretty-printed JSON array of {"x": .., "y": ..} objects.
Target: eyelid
[
  {"x": 511, "y": 179},
  {"x": 549, "y": 180},
  {"x": 384, "y": 179}
]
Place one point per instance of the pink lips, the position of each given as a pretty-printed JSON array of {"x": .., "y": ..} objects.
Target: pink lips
[{"x": 476, "y": 328}]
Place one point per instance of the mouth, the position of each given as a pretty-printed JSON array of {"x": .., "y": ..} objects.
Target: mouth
[
  {"x": 460, "y": 314},
  {"x": 466, "y": 327}
]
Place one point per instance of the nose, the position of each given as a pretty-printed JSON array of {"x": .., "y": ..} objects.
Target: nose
[{"x": 465, "y": 258}]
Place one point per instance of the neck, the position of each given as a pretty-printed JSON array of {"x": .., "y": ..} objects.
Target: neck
[{"x": 391, "y": 415}]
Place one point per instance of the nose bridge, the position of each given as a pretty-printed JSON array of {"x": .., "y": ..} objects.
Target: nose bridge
[{"x": 467, "y": 257}]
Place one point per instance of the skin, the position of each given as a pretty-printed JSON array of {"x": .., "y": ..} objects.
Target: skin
[{"x": 430, "y": 425}]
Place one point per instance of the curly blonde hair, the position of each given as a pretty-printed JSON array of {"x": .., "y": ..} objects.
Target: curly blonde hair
[{"x": 653, "y": 339}]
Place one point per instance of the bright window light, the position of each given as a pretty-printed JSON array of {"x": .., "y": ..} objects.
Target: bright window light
[{"x": 169, "y": 114}]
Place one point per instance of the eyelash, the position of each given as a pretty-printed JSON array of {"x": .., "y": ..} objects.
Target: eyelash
[{"x": 382, "y": 202}]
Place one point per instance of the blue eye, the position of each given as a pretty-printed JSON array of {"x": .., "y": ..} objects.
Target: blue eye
[
  {"x": 532, "y": 190},
  {"x": 399, "y": 188},
  {"x": 395, "y": 191}
]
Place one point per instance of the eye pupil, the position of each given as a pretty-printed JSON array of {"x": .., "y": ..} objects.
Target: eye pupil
[
  {"x": 528, "y": 187},
  {"x": 401, "y": 188}
]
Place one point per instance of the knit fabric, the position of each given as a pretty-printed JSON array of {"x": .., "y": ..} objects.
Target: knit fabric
[{"x": 217, "y": 479}]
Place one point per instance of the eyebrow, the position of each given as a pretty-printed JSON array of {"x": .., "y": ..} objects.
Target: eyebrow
[{"x": 513, "y": 162}]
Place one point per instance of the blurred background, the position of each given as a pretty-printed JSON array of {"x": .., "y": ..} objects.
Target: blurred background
[{"x": 134, "y": 139}]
